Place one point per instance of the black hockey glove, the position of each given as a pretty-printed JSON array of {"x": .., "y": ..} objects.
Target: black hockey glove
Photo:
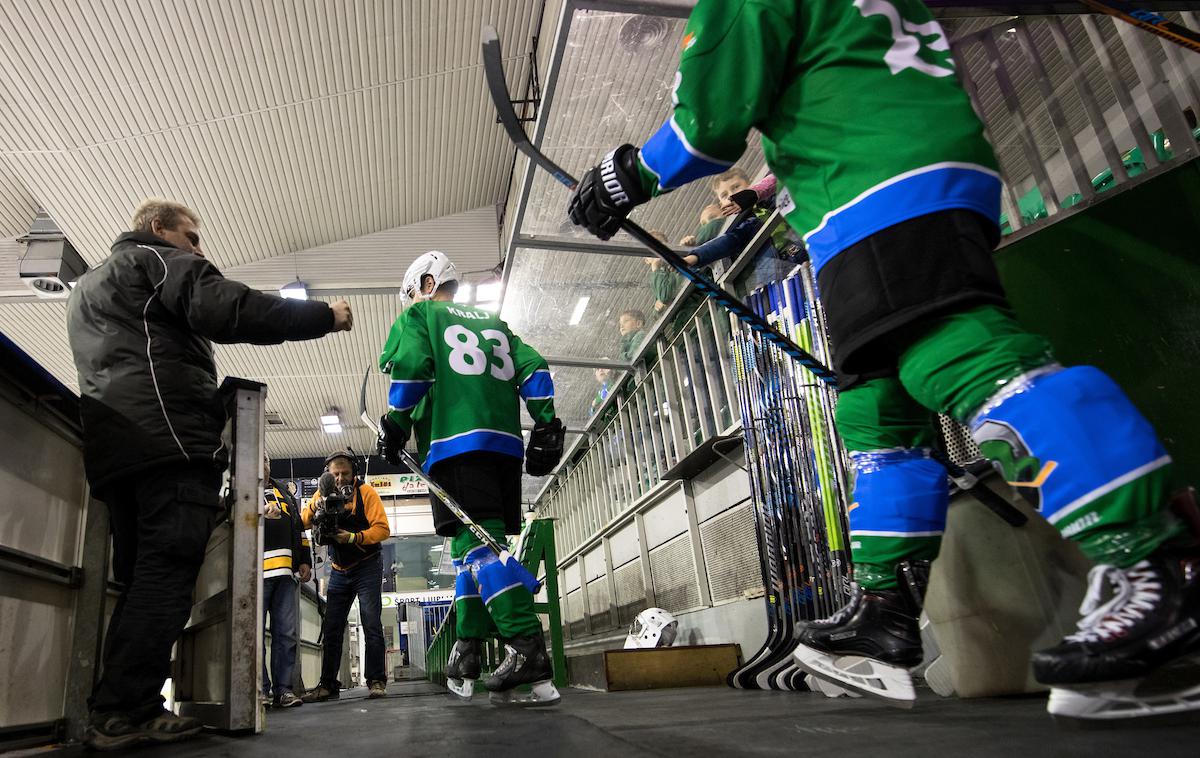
[
  {"x": 392, "y": 439},
  {"x": 545, "y": 447},
  {"x": 607, "y": 193}
]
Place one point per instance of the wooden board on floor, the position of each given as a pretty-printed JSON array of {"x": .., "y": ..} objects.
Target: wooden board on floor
[{"x": 682, "y": 666}]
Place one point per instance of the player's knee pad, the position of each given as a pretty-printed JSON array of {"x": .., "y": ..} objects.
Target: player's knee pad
[
  {"x": 1065, "y": 437},
  {"x": 464, "y": 581},
  {"x": 898, "y": 492},
  {"x": 494, "y": 576}
]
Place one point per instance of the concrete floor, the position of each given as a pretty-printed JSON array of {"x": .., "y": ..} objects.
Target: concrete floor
[{"x": 418, "y": 719}]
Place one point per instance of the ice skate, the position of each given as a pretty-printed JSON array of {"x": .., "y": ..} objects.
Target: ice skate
[
  {"x": 869, "y": 645},
  {"x": 525, "y": 662},
  {"x": 462, "y": 669},
  {"x": 1136, "y": 653}
]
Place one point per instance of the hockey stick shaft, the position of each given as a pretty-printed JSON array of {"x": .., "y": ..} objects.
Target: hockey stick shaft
[
  {"x": 451, "y": 504},
  {"x": 494, "y": 70},
  {"x": 1152, "y": 22}
]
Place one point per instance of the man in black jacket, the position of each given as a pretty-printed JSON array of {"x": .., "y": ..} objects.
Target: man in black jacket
[{"x": 141, "y": 325}]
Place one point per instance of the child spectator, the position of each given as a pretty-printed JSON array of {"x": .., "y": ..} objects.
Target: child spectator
[
  {"x": 710, "y": 226},
  {"x": 664, "y": 282},
  {"x": 632, "y": 325}
]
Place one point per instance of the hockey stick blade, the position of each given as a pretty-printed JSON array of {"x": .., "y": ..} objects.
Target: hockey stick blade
[
  {"x": 522, "y": 574},
  {"x": 493, "y": 68}
]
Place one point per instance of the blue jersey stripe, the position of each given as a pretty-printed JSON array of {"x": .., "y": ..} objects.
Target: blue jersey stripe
[
  {"x": 405, "y": 395},
  {"x": 674, "y": 161},
  {"x": 482, "y": 439},
  {"x": 926, "y": 190},
  {"x": 538, "y": 386}
]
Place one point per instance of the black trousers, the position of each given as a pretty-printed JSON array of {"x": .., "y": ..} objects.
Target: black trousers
[
  {"x": 363, "y": 580},
  {"x": 161, "y": 521}
]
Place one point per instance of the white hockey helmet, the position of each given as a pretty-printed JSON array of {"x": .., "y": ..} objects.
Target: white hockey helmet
[
  {"x": 434, "y": 263},
  {"x": 653, "y": 627}
]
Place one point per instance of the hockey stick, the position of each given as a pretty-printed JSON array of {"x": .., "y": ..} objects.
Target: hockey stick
[
  {"x": 493, "y": 68},
  {"x": 1150, "y": 21},
  {"x": 522, "y": 574}
]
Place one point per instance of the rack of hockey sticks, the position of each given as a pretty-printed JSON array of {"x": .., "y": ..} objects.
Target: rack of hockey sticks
[{"x": 797, "y": 476}]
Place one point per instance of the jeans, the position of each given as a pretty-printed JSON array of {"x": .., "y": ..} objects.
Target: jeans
[
  {"x": 729, "y": 244},
  {"x": 279, "y": 601},
  {"x": 161, "y": 521},
  {"x": 363, "y": 580}
]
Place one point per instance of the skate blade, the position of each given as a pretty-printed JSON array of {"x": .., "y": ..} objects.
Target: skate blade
[
  {"x": 1163, "y": 696},
  {"x": 827, "y": 688},
  {"x": 891, "y": 684},
  {"x": 541, "y": 694},
  {"x": 463, "y": 689}
]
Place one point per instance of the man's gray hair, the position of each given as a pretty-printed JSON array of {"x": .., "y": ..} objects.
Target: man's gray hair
[{"x": 167, "y": 213}]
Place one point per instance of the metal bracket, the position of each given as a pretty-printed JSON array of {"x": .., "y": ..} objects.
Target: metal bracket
[{"x": 527, "y": 108}]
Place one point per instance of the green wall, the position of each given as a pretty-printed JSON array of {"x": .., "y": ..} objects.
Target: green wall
[{"x": 1118, "y": 286}]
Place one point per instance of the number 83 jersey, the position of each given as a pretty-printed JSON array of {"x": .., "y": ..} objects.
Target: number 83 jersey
[{"x": 458, "y": 378}]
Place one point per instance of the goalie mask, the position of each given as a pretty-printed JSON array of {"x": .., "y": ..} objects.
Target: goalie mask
[
  {"x": 434, "y": 263},
  {"x": 653, "y": 627}
]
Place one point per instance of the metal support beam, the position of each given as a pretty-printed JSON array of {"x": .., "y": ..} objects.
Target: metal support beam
[
  {"x": 576, "y": 361},
  {"x": 575, "y": 246}
]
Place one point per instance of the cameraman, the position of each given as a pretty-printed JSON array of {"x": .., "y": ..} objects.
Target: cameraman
[{"x": 361, "y": 525}]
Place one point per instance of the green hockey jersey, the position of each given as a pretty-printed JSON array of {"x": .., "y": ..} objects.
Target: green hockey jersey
[
  {"x": 458, "y": 376},
  {"x": 864, "y": 122}
]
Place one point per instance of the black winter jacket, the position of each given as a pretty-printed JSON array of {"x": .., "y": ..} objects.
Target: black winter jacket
[{"x": 140, "y": 326}]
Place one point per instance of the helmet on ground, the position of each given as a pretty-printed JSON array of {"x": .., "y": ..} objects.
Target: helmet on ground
[
  {"x": 653, "y": 627},
  {"x": 434, "y": 263}
]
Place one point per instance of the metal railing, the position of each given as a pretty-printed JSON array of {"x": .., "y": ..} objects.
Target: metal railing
[{"x": 1076, "y": 106}]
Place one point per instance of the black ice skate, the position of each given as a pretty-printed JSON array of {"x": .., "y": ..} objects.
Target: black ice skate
[
  {"x": 462, "y": 668},
  {"x": 1136, "y": 653},
  {"x": 525, "y": 662},
  {"x": 869, "y": 644}
]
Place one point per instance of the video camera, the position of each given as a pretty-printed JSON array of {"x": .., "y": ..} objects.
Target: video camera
[{"x": 330, "y": 507}]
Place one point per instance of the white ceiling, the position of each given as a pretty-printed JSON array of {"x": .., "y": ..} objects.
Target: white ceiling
[{"x": 326, "y": 139}]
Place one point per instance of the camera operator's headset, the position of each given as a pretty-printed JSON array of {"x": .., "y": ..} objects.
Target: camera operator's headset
[{"x": 349, "y": 455}]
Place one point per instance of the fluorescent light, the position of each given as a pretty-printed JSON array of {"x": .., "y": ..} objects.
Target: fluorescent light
[
  {"x": 464, "y": 293},
  {"x": 297, "y": 290},
  {"x": 580, "y": 307},
  {"x": 330, "y": 419},
  {"x": 487, "y": 292},
  {"x": 332, "y": 428}
]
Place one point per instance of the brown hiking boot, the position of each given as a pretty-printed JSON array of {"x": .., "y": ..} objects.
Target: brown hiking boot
[
  {"x": 114, "y": 731},
  {"x": 378, "y": 689},
  {"x": 320, "y": 694}
]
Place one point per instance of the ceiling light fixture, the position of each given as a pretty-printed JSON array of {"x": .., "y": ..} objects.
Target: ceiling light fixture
[
  {"x": 331, "y": 421},
  {"x": 580, "y": 307},
  {"x": 297, "y": 290}
]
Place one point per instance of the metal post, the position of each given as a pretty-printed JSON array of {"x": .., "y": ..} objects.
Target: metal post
[
  {"x": 693, "y": 529},
  {"x": 1162, "y": 98},
  {"x": 1021, "y": 125},
  {"x": 1141, "y": 134},
  {"x": 1088, "y": 97},
  {"x": 647, "y": 575},
  {"x": 87, "y": 634},
  {"x": 1066, "y": 137}
]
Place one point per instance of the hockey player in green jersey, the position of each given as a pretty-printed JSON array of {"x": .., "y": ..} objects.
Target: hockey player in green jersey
[
  {"x": 885, "y": 172},
  {"x": 458, "y": 376}
]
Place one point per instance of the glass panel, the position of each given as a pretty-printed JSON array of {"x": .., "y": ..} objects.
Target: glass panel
[
  {"x": 545, "y": 292},
  {"x": 615, "y": 87}
]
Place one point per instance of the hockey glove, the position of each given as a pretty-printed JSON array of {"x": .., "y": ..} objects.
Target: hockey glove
[
  {"x": 608, "y": 192},
  {"x": 392, "y": 439},
  {"x": 545, "y": 447}
]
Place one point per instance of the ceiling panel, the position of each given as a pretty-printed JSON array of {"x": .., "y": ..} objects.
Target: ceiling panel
[{"x": 285, "y": 125}]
